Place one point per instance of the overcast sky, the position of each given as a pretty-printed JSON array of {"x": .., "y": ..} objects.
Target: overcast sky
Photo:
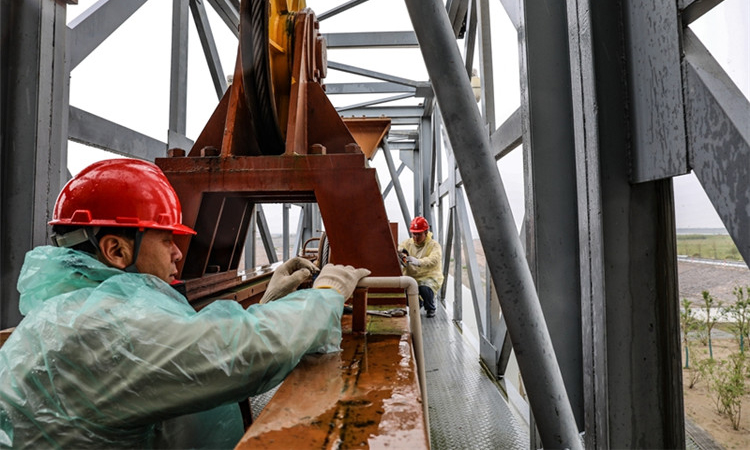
[{"x": 126, "y": 80}]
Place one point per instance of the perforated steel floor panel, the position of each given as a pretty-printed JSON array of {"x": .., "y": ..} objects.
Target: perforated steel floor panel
[{"x": 467, "y": 410}]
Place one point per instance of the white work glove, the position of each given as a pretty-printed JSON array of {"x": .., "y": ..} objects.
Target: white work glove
[
  {"x": 287, "y": 277},
  {"x": 342, "y": 278},
  {"x": 413, "y": 261}
]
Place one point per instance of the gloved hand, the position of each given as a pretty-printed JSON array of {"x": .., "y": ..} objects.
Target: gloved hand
[
  {"x": 342, "y": 278},
  {"x": 413, "y": 261},
  {"x": 287, "y": 278}
]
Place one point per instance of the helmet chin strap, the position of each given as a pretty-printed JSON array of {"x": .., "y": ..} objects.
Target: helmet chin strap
[{"x": 136, "y": 248}]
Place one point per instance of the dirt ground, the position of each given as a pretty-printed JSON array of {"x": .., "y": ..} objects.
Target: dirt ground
[
  {"x": 695, "y": 277},
  {"x": 699, "y": 405}
]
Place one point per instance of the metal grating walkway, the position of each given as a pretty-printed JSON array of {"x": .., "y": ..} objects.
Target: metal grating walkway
[{"x": 467, "y": 410}]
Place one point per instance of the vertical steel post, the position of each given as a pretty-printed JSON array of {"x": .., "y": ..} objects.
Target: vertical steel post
[
  {"x": 494, "y": 220},
  {"x": 179, "y": 74},
  {"x": 629, "y": 303},
  {"x": 487, "y": 72},
  {"x": 250, "y": 247},
  {"x": 285, "y": 224},
  {"x": 425, "y": 166},
  {"x": 551, "y": 222},
  {"x": 33, "y": 150},
  {"x": 458, "y": 272}
]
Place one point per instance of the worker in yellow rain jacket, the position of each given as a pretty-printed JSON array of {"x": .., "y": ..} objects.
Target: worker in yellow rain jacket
[
  {"x": 422, "y": 259},
  {"x": 108, "y": 355}
]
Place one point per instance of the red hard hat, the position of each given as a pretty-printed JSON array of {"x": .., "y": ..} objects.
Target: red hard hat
[
  {"x": 120, "y": 193},
  {"x": 419, "y": 225}
]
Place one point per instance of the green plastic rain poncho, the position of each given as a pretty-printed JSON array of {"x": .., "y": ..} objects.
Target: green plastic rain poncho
[
  {"x": 104, "y": 357},
  {"x": 430, "y": 271}
]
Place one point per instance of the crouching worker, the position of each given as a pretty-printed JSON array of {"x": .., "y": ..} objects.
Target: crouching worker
[
  {"x": 108, "y": 354},
  {"x": 422, "y": 259}
]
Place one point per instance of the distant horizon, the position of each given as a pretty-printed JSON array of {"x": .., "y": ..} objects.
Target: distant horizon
[{"x": 702, "y": 230}]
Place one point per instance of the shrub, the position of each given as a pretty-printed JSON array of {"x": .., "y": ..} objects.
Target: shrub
[
  {"x": 688, "y": 323},
  {"x": 740, "y": 315},
  {"x": 708, "y": 305},
  {"x": 728, "y": 385}
]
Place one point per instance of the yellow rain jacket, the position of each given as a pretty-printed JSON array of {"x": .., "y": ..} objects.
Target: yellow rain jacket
[{"x": 430, "y": 255}]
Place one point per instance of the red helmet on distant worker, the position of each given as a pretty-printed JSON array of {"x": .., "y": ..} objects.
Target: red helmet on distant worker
[
  {"x": 120, "y": 193},
  {"x": 419, "y": 225}
]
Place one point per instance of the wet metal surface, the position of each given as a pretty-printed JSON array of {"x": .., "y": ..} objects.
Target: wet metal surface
[
  {"x": 365, "y": 396},
  {"x": 467, "y": 409}
]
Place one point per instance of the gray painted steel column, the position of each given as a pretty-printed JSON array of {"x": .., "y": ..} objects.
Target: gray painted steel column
[
  {"x": 34, "y": 142},
  {"x": 458, "y": 274},
  {"x": 179, "y": 74},
  {"x": 425, "y": 164},
  {"x": 250, "y": 247},
  {"x": 285, "y": 225},
  {"x": 486, "y": 73},
  {"x": 632, "y": 376},
  {"x": 494, "y": 221},
  {"x": 549, "y": 163}
]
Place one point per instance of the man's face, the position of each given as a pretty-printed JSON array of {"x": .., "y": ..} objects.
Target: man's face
[
  {"x": 419, "y": 238},
  {"x": 158, "y": 255}
]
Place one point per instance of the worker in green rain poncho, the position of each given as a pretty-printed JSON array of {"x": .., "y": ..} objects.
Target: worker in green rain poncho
[{"x": 109, "y": 355}]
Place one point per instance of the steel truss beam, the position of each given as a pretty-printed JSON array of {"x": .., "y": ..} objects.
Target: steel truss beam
[
  {"x": 374, "y": 102},
  {"x": 370, "y": 88},
  {"x": 396, "y": 183},
  {"x": 228, "y": 10},
  {"x": 718, "y": 118},
  {"x": 209, "y": 46},
  {"x": 394, "y": 112},
  {"x": 387, "y": 39},
  {"x": 390, "y": 184},
  {"x": 692, "y": 10},
  {"x": 94, "y": 25},
  {"x": 265, "y": 234},
  {"x": 339, "y": 9},
  {"x": 89, "y": 129},
  {"x": 372, "y": 74}
]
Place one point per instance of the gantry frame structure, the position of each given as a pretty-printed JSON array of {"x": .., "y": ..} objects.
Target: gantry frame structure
[{"x": 617, "y": 98}]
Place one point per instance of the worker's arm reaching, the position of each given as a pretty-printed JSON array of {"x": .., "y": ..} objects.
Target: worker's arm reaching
[{"x": 130, "y": 351}]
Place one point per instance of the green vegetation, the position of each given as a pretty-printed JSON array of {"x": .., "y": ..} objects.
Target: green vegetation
[
  {"x": 710, "y": 321},
  {"x": 708, "y": 246},
  {"x": 740, "y": 315},
  {"x": 726, "y": 378},
  {"x": 728, "y": 384},
  {"x": 688, "y": 324}
]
